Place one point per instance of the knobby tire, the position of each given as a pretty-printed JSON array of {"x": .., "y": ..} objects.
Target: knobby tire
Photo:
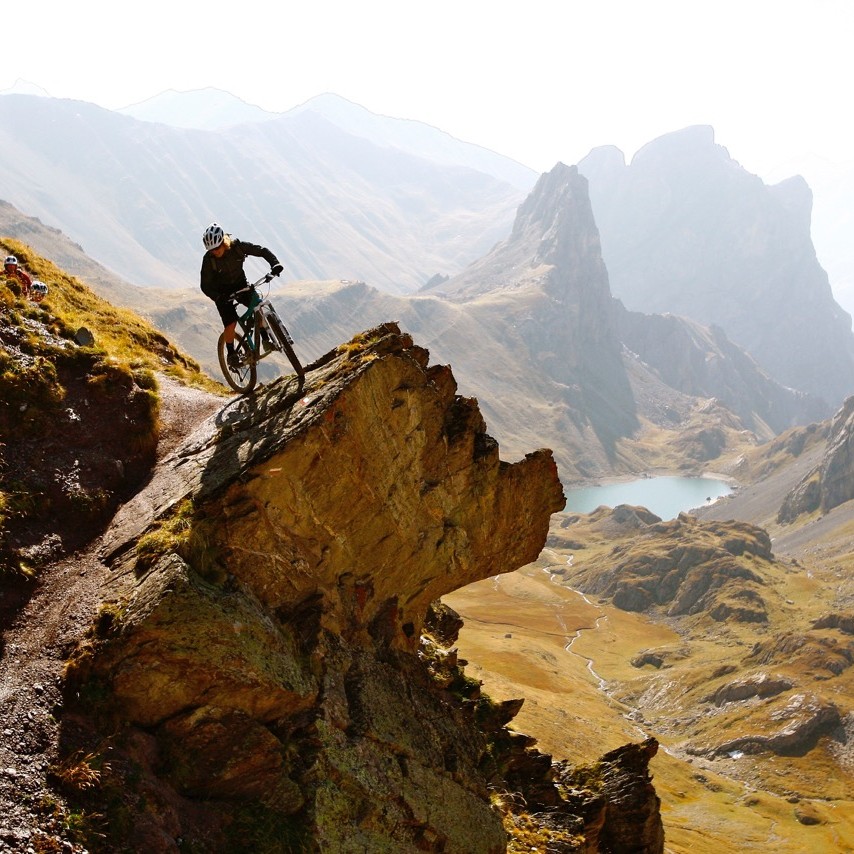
[
  {"x": 283, "y": 339},
  {"x": 243, "y": 378}
]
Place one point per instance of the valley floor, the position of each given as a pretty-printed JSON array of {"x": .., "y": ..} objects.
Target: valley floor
[{"x": 527, "y": 636}]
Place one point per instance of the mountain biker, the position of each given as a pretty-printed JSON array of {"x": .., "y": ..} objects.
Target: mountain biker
[
  {"x": 222, "y": 274},
  {"x": 13, "y": 271}
]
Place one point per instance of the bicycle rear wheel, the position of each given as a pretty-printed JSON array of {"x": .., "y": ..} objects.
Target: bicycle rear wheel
[
  {"x": 283, "y": 339},
  {"x": 243, "y": 373}
]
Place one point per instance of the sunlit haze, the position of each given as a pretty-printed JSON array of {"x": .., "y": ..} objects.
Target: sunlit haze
[
  {"x": 540, "y": 82},
  {"x": 537, "y": 81}
]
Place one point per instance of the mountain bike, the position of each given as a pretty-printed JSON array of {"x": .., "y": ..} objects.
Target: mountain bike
[{"x": 259, "y": 332}]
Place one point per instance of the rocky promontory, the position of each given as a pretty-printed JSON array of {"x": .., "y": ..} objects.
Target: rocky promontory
[
  {"x": 271, "y": 669},
  {"x": 682, "y": 566}
]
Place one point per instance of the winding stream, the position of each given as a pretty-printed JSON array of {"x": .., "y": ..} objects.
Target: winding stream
[{"x": 627, "y": 712}]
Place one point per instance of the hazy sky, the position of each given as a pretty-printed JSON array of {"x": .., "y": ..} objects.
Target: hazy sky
[{"x": 536, "y": 80}]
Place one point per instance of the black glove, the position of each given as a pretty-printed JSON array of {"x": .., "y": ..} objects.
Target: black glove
[{"x": 276, "y": 269}]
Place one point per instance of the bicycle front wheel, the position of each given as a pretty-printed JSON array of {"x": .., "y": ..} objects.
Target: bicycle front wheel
[
  {"x": 242, "y": 373},
  {"x": 285, "y": 343}
]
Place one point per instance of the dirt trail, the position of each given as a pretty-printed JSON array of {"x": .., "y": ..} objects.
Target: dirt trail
[{"x": 34, "y": 650}]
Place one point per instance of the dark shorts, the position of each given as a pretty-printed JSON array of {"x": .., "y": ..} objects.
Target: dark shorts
[{"x": 227, "y": 309}]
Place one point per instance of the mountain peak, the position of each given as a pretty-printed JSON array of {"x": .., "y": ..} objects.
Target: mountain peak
[
  {"x": 686, "y": 229},
  {"x": 555, "y": 211},
  {"x": 25, "y": 87},
  {"x": 550, "y": 268},
  {"x": 681, "y": 143},
  {"x": 206, "y": 109}
]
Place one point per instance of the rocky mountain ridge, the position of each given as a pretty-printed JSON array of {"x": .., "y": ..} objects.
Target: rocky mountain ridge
[
  {"x": 686, "y": 230},
  {"x": 330, "y": 203},
  {"x": 702, "y": 361},
  {"x": 831, "y": 482},
  {"x": 551, "y": 273}
]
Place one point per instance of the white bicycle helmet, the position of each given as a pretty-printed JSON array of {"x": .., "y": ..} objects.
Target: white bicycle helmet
[
  {"x": 38, "y": 291},
  {"x": 11, "y": 259},
  {"x": 213, "y": 236}
]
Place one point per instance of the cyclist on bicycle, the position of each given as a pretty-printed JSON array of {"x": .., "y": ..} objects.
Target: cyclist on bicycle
[
  {"x": 14, "y": 272},
  {"x": 222, "y": 274}
]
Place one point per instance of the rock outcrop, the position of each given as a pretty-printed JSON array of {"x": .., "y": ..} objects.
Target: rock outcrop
[
  {"x": 683, "y": 566},
  {"x": 273, "y": 671},
  {"x": 758, "y": 685},
  {"x": 831, "y": 483},
  {"x": 795, "y": 728}
]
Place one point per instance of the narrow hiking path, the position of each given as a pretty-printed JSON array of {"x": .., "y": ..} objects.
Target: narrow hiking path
[{"x": 34, "y": 648}]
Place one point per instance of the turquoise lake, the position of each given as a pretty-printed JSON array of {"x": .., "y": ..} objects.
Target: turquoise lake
[{"x": 664, "y": 496}]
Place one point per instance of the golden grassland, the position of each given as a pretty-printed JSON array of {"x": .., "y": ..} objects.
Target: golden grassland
[{"x": 528, "y": 634}]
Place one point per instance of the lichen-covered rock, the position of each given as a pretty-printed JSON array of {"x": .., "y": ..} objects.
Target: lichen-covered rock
[
  {"x": 276, "y": 643},
  {"x": 184, "y": 643}
]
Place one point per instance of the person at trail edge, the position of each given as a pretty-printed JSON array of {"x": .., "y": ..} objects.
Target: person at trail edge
[
  {"x": 222, "y": 275},
  {"x": 13, "y": 271}
]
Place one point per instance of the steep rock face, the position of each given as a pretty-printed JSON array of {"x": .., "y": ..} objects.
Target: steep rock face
[
  {"x": 703, "y": 362},
  {"x": 553, "y": 252},
  {"x": 831, "y": 483},
  {"x": 279, "y": 673},
  {"x": 685, "y": 229}
]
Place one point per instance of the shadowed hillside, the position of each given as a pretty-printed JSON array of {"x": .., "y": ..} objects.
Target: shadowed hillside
[{"x": 685, "y": 229}]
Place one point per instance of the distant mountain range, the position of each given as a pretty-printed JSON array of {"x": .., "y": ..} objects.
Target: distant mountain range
[
  {"x": 138, "y": 194},
  {"x": 400, "y": 208},
  {"x": 216, "y": 110},
  {"x": 532, "y": 331},
  {"x": 685, "y": 229},
  {"x": 213, "y": 109}
]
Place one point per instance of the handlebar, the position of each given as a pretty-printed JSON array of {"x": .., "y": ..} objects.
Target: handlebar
[{"x": 267, "y": 277}]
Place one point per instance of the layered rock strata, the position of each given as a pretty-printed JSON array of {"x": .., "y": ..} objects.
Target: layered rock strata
[
  {"x": 831, "y": 482},
  {"x": 272, "y": 672}
]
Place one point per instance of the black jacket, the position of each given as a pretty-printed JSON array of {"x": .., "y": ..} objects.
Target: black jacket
[{"x": 221, "y": 277}]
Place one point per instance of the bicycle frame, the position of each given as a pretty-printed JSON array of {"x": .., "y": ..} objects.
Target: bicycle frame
[
  {"x": 248, "y": 321},
  {"x": 259, "y": 317},
  {"x": 256, "y": 318}
]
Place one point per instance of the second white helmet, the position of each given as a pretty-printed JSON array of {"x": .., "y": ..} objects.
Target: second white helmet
[{"x": 213, "y": 236}]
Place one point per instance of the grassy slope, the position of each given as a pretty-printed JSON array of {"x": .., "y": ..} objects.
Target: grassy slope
[
  {"x": 706, "y": 809},
  {"x": 78, "y": 424}
]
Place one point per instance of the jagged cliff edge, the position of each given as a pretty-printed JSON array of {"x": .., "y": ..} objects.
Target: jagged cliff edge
[{"x": 272, "y": 670}]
